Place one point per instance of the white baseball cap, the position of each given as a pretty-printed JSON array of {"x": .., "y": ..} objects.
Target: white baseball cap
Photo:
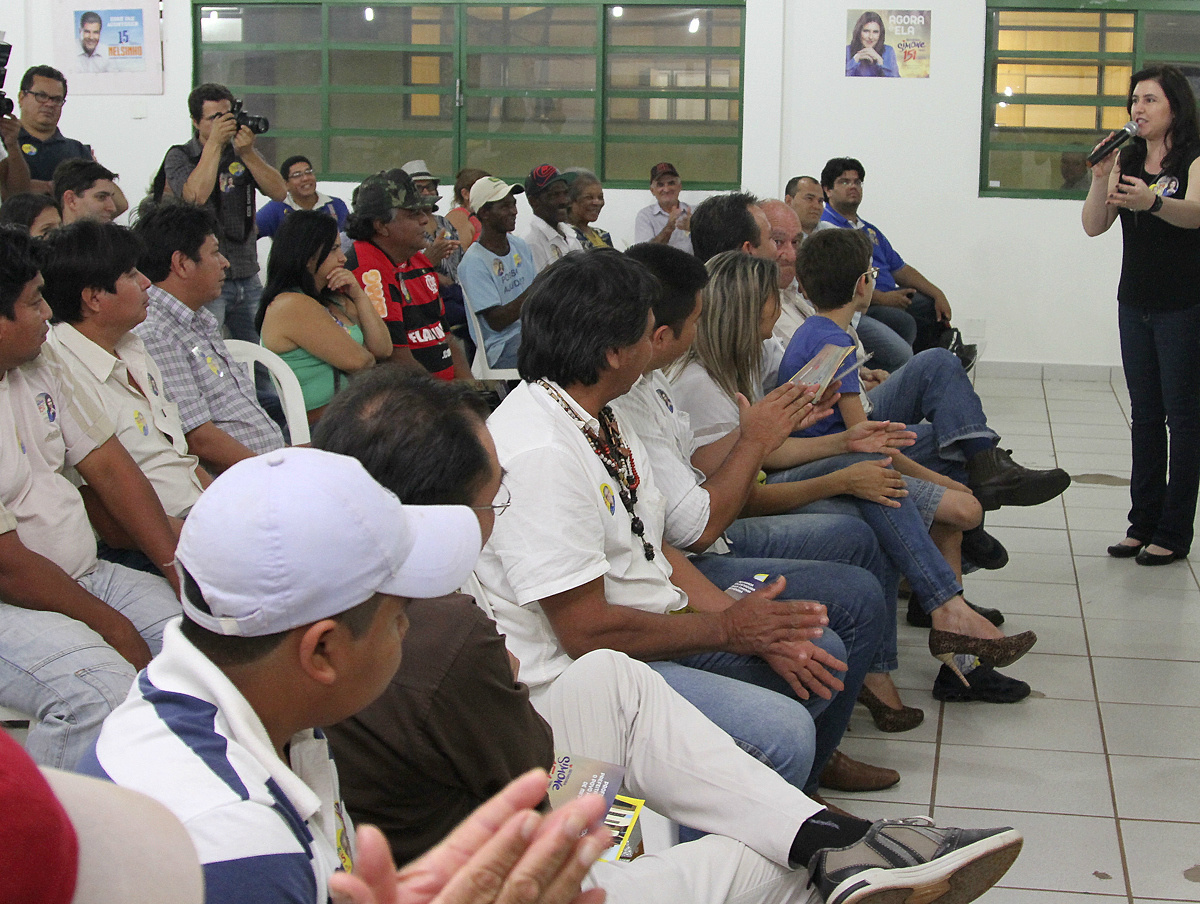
[
  {"x": 491, "y": 188},
  {"x": 297, "y": 535}
]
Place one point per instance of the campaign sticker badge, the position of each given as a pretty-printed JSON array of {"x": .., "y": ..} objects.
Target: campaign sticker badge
[
  {"x": 45, "y": 403},
  {"x": 666, "y": 400},
  {"x": 1165, "y": 187},
  {"x": 609, "y": 498},
  {"x": 153, "y": 384},
  {"x": 139, "y": 421}
]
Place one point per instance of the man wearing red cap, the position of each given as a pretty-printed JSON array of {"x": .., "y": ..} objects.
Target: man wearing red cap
[
  {"x": 668, "y": 220},
  {"x": 548, "y": 239}
]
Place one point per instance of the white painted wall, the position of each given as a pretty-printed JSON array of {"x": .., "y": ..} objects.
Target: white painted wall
[
  {"x": 1046, "y": 291},
  {"x": 1021, "y": 269}
]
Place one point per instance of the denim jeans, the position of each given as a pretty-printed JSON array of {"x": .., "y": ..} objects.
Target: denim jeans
[
  {"x": 856, "y": 611},
  {"x": 933, "y": 388},
  {"x": 917, "y": 324},
  {"x": 237, "y": 306},
  {"x": 64, "y": 675},
  {"x": 902, "y": 534},
  {"x": 1159, "y": 351},
  {"x": 889, "y": 350}
]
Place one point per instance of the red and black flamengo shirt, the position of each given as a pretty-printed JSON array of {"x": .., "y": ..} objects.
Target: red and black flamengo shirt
[{"x": 408, "y": 300}]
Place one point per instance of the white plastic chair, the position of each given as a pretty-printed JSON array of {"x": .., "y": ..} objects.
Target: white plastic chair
[
  {"x": 285, "y": 381},
  {"x": 480, "y": 369}
]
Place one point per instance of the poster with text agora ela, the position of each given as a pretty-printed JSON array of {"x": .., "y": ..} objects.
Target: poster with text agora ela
[
  {"x": 887, "y": 43},
  {"x": 110, "y": 40}
]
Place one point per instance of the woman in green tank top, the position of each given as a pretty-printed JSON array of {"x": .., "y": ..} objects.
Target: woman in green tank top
[{"x": 314, "y": 314}]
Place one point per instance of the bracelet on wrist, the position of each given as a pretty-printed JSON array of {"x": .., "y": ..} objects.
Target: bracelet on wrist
[{"x": 1156, "y": 206}]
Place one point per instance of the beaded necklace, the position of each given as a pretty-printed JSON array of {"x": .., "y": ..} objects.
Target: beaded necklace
[{"x": 616, "y": 458}]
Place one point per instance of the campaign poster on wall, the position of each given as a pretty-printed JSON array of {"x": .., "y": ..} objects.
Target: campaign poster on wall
[
  {"x": 109, "y": 49},
  {"x": 887, "y": 43}
]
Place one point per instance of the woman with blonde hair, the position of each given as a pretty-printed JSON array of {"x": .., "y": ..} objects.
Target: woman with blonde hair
[{"x": 733, "y": 354}]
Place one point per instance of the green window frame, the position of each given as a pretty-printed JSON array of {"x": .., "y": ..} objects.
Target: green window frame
[
  {"x": 613, "y": 87},
  {"x": 1035, "y": 135}
]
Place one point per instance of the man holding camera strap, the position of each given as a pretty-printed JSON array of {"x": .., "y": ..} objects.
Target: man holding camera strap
[{"x": 221, "y": 169}]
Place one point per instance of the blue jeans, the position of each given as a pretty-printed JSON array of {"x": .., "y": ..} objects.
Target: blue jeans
[
  {"x": 856, "y": 626},
  {"x": 237, "y": 306},
  {"x": 917, "y": 324},
  {"x": 889, "y": 350},
  {"x": 64, "y": 675},
  {"x": 933, "y": 388},
  {"x": 1159, "y": 351},
  {"x": 901, "y": 532}
]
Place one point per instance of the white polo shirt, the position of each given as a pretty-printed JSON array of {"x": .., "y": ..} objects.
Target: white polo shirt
[
  {"x": 147, "y": 425},
  {"x": 665, "y": 430},
  {"x": 548, "y": 243},
  {"x": 48, "y": 424},
  {"x": 566, "y": 526},
  {"x": 264, "y": 830}
]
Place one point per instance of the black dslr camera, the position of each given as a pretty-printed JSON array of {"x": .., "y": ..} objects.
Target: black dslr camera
[
  {"x": 6, "y": 104},
  {"x": 256, "y": 124}
]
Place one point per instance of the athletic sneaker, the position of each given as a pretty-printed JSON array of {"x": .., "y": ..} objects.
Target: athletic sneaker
[{"x": 912, "y": 860}]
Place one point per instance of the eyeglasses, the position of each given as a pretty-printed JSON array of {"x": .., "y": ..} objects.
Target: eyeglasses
[
  {"x": 42, "y": 98},
  {"x": 848, "y": 182},
  {"x": 505, "y": 495},
  {"x": 296, "y": 174},
  {"x": 873, "y": 273}
]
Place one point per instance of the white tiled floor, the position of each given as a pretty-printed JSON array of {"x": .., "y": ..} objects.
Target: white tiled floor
[{"x": 1100, "y": 766}]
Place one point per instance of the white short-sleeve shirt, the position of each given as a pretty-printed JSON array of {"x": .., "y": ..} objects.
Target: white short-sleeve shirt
[
  {"x": 711, "y": 412},
  {"x": 147, "y": 425},
  {"x": 548, "y": 243},
  {"x": 665, "y": 430},
  {"x": 48, "y": 424},
  {"x": 566, "y": 526}
]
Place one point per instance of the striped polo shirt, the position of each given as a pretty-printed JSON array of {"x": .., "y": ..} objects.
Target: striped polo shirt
[{"x": 264, "y": 830}]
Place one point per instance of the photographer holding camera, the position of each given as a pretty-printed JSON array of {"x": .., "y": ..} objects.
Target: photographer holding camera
[{"x": 220, "y": 169}]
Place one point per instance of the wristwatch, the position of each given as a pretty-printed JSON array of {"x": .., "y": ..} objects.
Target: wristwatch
[{"x": 1156, "y": 206}]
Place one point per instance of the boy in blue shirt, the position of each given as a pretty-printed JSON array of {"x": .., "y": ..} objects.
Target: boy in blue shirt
[{"x": 835, "y": 270}]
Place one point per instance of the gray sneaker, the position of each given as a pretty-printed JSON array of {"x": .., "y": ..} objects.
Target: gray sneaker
[{"x": 912, "y": 861}]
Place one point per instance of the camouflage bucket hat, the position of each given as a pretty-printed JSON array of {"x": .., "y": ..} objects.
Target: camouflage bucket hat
[{"x": 387, "y": 190}]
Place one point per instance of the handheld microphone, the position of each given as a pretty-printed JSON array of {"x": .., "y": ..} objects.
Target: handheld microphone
[{"x": 1114, "y": 141}]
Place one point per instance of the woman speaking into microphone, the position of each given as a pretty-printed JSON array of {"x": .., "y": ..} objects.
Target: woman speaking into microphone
[{"x": 1153, "y": 185}]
